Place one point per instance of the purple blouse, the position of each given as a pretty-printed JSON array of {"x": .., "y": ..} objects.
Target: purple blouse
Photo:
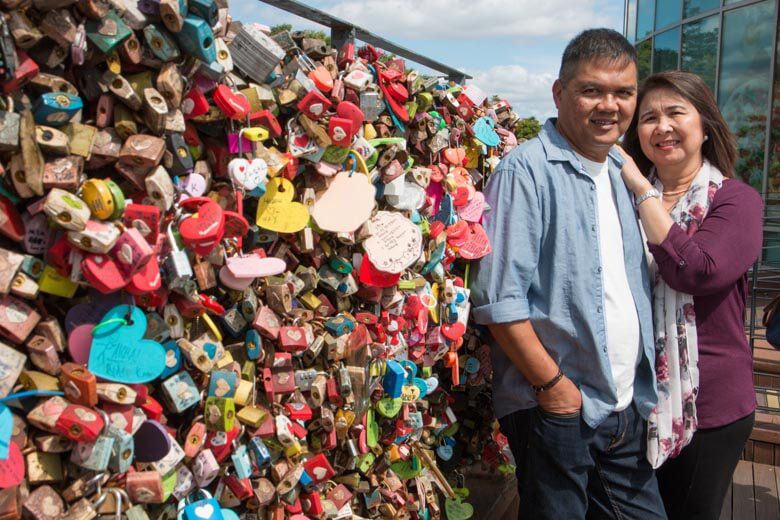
[{"x": 712, "y": 266}]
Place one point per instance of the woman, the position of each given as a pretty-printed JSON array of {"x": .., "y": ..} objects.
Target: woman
[{"x": 703, "y": 231}]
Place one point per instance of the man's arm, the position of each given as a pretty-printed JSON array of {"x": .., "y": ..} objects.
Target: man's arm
[
  {"x": 502, "y": 279},
  {"x": 521, "y": 345}
]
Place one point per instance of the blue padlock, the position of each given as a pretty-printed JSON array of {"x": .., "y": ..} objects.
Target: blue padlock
[
  {"x": 197, "y": 38},
  {"x": 254, "y": 344},
  {"x": 180, "y": 392},
  {"x": 260, "y": 452},
  {"x": 339, "y": 325},
  {"x": 395, "y": 375},
  {"x": 107, "y": 32},
  {"x": 435, "y": 259},
  {"x": 206, "y": 9},
  {"x": 172, "y": 358},
  {"x": 223, "y": 383},
  {"x": 56, "y": 108},
  {"x": 123, "y": 451},
  {"x": 161, "y": 43},
  {"x": 204, "y": 509},
  {"x": 306, "y": 482},
  {"x": 241, "y": 462}
]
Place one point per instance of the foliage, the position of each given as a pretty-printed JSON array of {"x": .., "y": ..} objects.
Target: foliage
[
  {"x": 527, "y": 128},
  {"x": 309, "y": 33}
]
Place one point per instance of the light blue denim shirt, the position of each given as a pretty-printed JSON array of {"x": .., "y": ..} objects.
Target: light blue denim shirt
[{"x": 545, "y": 266}]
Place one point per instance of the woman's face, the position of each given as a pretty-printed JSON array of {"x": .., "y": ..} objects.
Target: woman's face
[{"x": 670, "y": 131}]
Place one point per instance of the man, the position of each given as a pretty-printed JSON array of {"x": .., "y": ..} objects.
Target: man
[{"x": 566, "y": 296}]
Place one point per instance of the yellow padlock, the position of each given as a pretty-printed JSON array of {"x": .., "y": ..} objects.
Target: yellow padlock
[
  {"x": 255, "y": 133},
  {"x": 114, "y": 65},
  {"x": 51, "y": 282},
  {"x": 369, "y": 132},
  {"x": 98, "y": 197}
]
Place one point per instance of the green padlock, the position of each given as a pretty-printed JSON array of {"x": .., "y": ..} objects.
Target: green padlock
[
  {"x": 389, "y": 407},
  {"x": 107, "y": 32},
  {"x": 220, "y": 414}
]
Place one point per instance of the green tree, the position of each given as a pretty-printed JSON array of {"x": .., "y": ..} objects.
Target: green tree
[
  {"x": 527, "y": 128},
  {"x": 276, "y": 29}
]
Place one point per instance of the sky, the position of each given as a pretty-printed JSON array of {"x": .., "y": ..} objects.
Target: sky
[{"x": 511, "y": 48}]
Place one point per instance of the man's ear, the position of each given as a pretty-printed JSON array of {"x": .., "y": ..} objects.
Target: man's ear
[{"x": 557, "y": 90}]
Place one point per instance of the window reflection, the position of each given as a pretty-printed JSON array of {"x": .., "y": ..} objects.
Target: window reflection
[
  {"x": 666, "y": 13},
  {"x": 644, "y": 18},
  {"x": 746, "y": 51},
  {"x": 694, "y": 7},
  {"x": 631, "y": 21},
  {"x": 700, "y": 48},
  {"x": 643, "y": 52},
  {"x": 666, "y": 51}
]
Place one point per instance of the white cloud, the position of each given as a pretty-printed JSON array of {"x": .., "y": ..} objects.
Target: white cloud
[
  {"x": 473, "y": 19},
  {"x": 529, "y": 94}
]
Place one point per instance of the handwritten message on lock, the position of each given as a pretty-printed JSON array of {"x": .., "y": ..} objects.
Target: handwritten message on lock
[{"x": 119, "y": 352}]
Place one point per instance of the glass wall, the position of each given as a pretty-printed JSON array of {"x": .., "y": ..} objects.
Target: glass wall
[
  {"x": 666, "y": 51},
  {"x": 732, "y": 45},
  {"x": 644, "y": 18},
  {"x": 694, "y": 7},
  {"x": 667, "y": 12},
  {"x": 700, "y": 48},
  {"x": 747, "y": 49}
]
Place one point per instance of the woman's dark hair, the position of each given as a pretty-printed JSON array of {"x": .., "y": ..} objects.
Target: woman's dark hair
[{"x": 720, "y": 149}]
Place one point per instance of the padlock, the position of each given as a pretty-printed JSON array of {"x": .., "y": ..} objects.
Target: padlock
[
  {"x": 219, "y": 413},
  {"x": 44, "y": 504},
  {"x": 205, "y": 468},
  {"x": 180, "y": 392},
  {"x": 144, "y": 487}
]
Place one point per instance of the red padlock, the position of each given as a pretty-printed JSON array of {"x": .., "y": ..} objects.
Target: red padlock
[
  {"x": 146, "y": 280},
  {"x": 26, "y": 69},
  {"x": 194, "y": 103},
  {"x": 233, "y": 104},
  {"x": 79, "y": 384},
  {"x": 103, "y": 273},
  {"x": 340, "y": 131},
  {"x": 242, "y": 488},
  {"x": 314, "y": 104},
  {"x": 79, "y": 423},
  {"x": 145, "y": 218},
  {"x": 319, "y": 468},
  {"x": 195, "y": 439},
  {"x": 292, "y": 339},
  {"x": 267, "y": 120},
  {"x": 311, "y": 503}
]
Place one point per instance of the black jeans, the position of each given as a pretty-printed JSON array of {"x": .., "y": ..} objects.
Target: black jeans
[
  {"x": 567, "y": 470},
  {"x": 694, "y": 483}
]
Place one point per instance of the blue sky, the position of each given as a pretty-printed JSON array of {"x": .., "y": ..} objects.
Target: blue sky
[{"x": 511, "y": 47}]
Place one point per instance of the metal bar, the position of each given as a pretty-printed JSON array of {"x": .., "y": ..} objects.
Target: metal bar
[{"x": 342, "y": 27}]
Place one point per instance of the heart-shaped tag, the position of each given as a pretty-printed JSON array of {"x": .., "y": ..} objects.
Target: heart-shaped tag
[
  {"x": 453, "y": 331},
  {"x": 248, "y": 175},
  {"x": 277, "y": 211},
  {"x": 395, "y": 242},
  {"x": 458, "y": 510},
  {"x": 119, "y": 352},
  {"x": 252, "y": 266},
  {"x": 484, "y": 131},
  {"x": 346, "y": 204},
  {"x": 477, "y": 244},
  {"x": 12, "y": 468},
  {"x": 472, "y": 211},
  {"x": 454, "y": 156},
  {"x": 79, "y": 343},
  {"x": 204, "y": 227}
]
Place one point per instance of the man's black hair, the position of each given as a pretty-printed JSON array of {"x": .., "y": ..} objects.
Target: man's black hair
[{"x": 595, "y": 44}]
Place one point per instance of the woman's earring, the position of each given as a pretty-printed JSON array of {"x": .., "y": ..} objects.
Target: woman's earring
[{"x": 706, "y": 137}]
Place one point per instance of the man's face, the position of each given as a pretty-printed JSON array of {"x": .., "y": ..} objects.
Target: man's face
[{"x": 596, "y": 105}]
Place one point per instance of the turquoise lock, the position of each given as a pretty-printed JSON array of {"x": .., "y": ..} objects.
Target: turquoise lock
[
  {"x": 107, "y": 32},
  {"x": 172, "y": 358},
  {"x": 180, "y": 392},
  {"x": 161, "y": 43},
  {"x": 394, "y": 378},
  {"x": 196, "y": 38},
  {"x": 259, "y": 452},
  {"x": 56, "y": 108},
  {"x": 192, "y": 508},
  {"x": 253, "y": 344},
  {"x": 223, "y": 383},
  {"x": 206, "y": 9},
  {"x": 241, "y": 462}
]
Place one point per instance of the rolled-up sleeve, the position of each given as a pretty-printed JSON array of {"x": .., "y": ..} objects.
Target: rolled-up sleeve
[
  {"x": 501, "y": 280},
  {"x": 721, "y": 251}
]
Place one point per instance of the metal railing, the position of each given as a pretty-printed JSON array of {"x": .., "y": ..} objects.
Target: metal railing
[{"x": 342, "y": 31}]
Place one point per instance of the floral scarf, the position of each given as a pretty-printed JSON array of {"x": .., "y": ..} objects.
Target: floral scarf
[{"x": 672, "y": 423}]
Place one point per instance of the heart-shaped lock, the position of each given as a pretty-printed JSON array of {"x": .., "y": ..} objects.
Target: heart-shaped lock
[
  {"x": 248, "y": 175},
  {"x": 454, "y": 156},
  {"x": 457, "y": 509},
  {"x": 12, "y": 468},
  {"x": 453, "y": 331},
  {"x": 252, "y": 266},
  {"x": 277, "y": 211},
  {"x": 204, "y": 228},
  {"x": 346, "y": 204},
  {"x": 119, "y": 352},
  {"x": 152, "y": 442},
  {"x": 484, "y": 130},
  {"x": 472, "y": 211},
  {"x": 233, "y": 104},
  {"x": 476, "y": 245}
]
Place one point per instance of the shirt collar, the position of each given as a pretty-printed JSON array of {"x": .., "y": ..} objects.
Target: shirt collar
[{"x": 557, "y": 148}]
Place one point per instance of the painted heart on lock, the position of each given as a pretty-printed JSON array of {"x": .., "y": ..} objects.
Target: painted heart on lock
[
  {"x": 204, "y": 228},
  {"x": 277, "y": 211},
  {"x": 119, "y": 352},
  {"x": 484, "y": 130},
  {"x": 472, "y": 211},
  {"x": 248, "y": 175},
  {"x": 346, "y": 204},
  {"x": 458, "y": 510}
]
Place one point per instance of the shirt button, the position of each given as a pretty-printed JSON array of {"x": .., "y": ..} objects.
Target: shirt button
[
  {"x": 605, "y": 349},
  {"x": 682, "y": 263},
  {"x": 599, "y": 269},
  {"x": 593, "y": 228},
  {"x": 598, "y": 309}
]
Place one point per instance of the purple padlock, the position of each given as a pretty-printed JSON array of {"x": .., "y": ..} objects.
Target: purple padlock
[
  {"x": 149, "y": 6},
  {"x": 152, "y": 442}
]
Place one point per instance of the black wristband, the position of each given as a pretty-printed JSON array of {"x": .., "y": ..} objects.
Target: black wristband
[{"x": 549, "y": 384}]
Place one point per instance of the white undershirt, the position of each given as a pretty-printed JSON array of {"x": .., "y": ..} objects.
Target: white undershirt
[{"x": 622, "y": 322}]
